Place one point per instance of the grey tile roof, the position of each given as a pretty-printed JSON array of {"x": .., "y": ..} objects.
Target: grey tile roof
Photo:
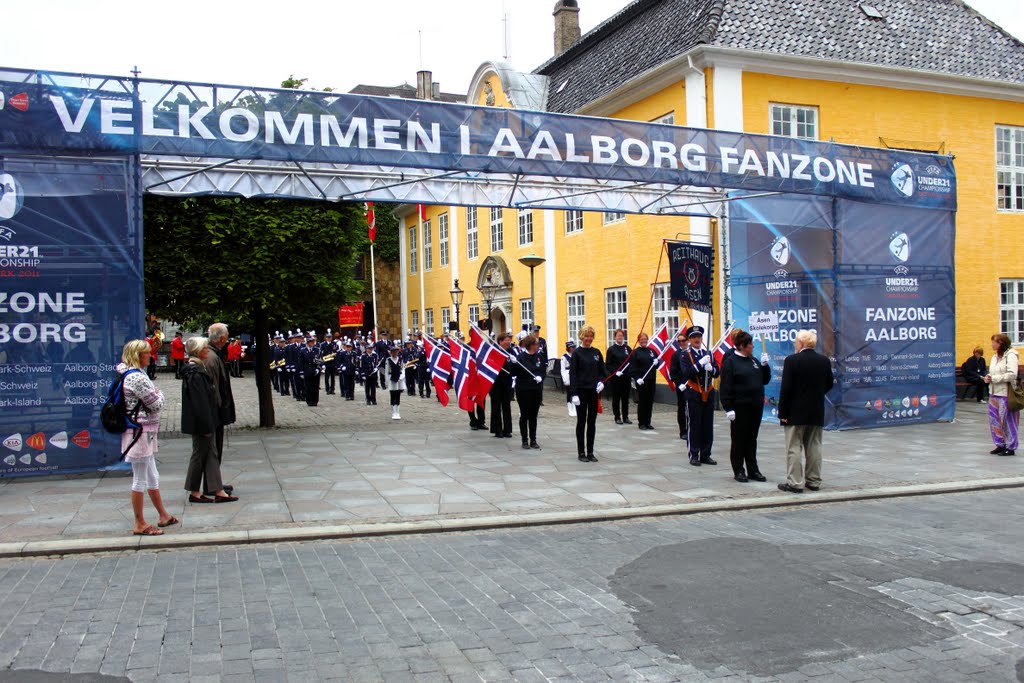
[
  {"x": 940, "y": 36},
  {"x": 405, "y": 91}
]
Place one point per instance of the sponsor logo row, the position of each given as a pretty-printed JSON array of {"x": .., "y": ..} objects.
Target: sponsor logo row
[{"x": 38, "y": 441}]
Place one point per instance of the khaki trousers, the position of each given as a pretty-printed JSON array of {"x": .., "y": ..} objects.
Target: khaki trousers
[{"x": 807, "y": 437}]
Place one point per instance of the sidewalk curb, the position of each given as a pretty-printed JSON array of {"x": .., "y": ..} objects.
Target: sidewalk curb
[{"x": 452, "y": 524}]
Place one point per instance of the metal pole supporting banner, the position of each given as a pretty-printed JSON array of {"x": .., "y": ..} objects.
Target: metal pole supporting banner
[{"x": 373, "y": 286}]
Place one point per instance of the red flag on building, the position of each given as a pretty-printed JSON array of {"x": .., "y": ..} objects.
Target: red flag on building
[
  {"x": 371, "y": 221},
  {"x": 421, "y": 211}
]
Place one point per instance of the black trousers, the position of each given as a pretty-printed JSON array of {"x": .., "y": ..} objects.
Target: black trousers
[
  {"x": 329, "y": 374},
  {"x": 979, "y": 389},
  {"x": 312, "y": 389},
  {"x": 178, "y": 364},
  {"x": 283, "y": 382},
  {"x": 410, "y": 381},
  {"x": 681, "y": 413},
  {"x": 700, "y": 423},
  {"x": 296, "y": 384},
  {"x": 348, "y": 385},
  {"x": 424, "y": 385},
  {"x": 743, "y": 430},
  {"x": 151, "y": 368},
  {"x": 586, "y": 421},
  {"x": 529, "y": 406},
  {"x": 396, "y": 397},
  {"x": 370, "y": 388},
  {"x": 620, "y": 397},
  {"x": 645, "y": 402},
  {"x": 477, "y": 418},
  {"x": 501, "y": 414}
]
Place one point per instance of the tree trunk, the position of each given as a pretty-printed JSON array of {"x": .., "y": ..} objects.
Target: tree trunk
[{"x": 262, "y": 369}]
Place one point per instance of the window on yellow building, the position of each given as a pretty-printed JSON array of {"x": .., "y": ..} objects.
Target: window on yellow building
[
  {"x": 665, "y": 309},
  {"x": 525, "y": 227},
  {"x": 610, "y": 217},
  {"x": 442, "y": 239},
  {"x": 428, "y": 322},
  {"x": 446, "y": 317},
  {"x": 573, "y": 222},
  {"x": 415, "y": 319},
  {"x": 616, "y": 311},
  {"x": 1011, "y": 310},
  {"x": 497, "y": 229},
  {"x": 576, "y": 313},
  {"x": 794, "y": 121},
  {"x": 525, "y": 313},
  {"x": 667, "y": 119},
  {"x": 474, "y": 313},
  {"x": 413, "y": 255},
  {"x": 472, "y": 237},
  {"x": 1009, "y": 169},
  {"x": 428, "y": 247}
]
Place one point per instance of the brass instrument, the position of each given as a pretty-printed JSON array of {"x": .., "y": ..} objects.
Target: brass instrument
[
  {"x": 411, "y": 363},
  {"x": 329, "y": 357},
  {"x": 276, "y": 364}
]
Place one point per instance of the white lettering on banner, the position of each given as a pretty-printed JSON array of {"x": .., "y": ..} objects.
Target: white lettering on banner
[
  {"x": 28, "y": 333},
  {"x": 516, "y": 139},
  {"x": 763, "y": 323},
  {"x": 29, "y": 302}
]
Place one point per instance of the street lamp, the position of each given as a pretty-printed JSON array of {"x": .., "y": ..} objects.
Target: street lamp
[
  {"x": 456, "y": 300},
  {"x": 487, "y": 292},
  {"x": 531, "y": 261}
]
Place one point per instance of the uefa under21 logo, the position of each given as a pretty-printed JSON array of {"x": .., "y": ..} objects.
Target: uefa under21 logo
[
  {"x": 899, "y": 246},
  {"x": 903, "y": 179},
  {"x": 780, "y": 250},
  {"x": 11, "y": 196}
]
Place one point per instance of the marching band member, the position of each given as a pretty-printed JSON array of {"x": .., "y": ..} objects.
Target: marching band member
[
  {"x": 280, "y": 371},
  {"x": 529, "y": 369},
  {"x": 422, "y": 371},
  {"x": 394, "y": 370},
  {"x": 642, "y": 365},
  {"x": 349, "y": 361},
  {"x": 680, "y": 344},
  {"x": 501, "y": 394},
  {"x": 742, "y": 391},
  {"x": 328, "y": 351},
  {"x": 409, "y": 358},
  {"x": 292, "y": 364},
  {"x": 586, "y": 375},
  {"x": 311, "y": 364},
  {"x": 693, "y": 369},
  {"x": 368, "y": 364},
  {"x": 618, "y": 355}
]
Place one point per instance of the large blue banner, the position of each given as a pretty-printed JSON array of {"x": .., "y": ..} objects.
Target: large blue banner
[
  {"x": 875, "y": 283},
  {"x": 70, "y": 295},
  {"x": 112, "y": 115}
]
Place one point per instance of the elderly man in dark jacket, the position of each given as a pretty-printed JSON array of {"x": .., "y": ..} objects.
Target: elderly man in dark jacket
[
  {"x": 216, "y": 364},
  {"x": 199, "y": 418}
]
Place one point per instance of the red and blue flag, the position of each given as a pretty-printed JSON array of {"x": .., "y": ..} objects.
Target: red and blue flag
[
  {"x": 490, "y": 359},
  {"x": 463, "y": 371},
  {"x": 440, "y": 364}
]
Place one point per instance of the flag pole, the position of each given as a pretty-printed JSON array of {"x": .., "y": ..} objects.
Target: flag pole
[{"x": 373, "y": 287}]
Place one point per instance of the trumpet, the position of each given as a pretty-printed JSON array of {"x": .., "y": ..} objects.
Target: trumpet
[
  {"x": 411, "y": 363},
  {"x": 329, "y": 357}
]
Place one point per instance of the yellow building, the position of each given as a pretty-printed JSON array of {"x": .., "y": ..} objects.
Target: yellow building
[{"x": 927, "y": 75}]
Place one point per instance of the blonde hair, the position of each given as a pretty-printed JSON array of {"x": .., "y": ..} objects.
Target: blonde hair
[
  {"x": 587, "y": 331},
  {"x": 195, "y": 346},
  {"x": 807, "y": 338},
  {"x": 132, "y": 353}
]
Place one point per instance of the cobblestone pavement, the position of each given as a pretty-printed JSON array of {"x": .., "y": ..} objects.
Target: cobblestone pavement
[
  {"x": 910, "y": 589},
  {"x": 359, "y": 466}
]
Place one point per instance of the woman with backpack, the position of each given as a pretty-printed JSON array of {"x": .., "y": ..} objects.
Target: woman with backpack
[
  {"x": 142, "y": 401},
  {"x": 199, "y": 418}
]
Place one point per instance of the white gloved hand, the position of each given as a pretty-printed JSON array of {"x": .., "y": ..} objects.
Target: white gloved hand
[
  {"x": 600, "y": 387},
  {"x": 513, "y": 358},
  {"x": 640, "y": 381},
  {"x": 680, "y": 388},
  {"x": 537, "y": 379},
  {"x": 764, "y": 358},
  {"x": 731, "y": 415},
  {"x": 706, "y": 362},
  {"x": 618, "y": 373},
  {"x": 575, "y": 400}
]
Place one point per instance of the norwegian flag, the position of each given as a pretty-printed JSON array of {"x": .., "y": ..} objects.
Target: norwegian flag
[
  {"x": 421, "y": 212},
  {"x": 662, "y": 344},
  {"x": 723, "y": 346},
  {"x": 440, "y": 364},
  {"x": 463, "y": 371},
  {"x": 371, "y": 222},
  {"x": 490, "y": 359}
]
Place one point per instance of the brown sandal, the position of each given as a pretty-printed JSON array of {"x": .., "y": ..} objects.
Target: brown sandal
[
  {"x": 171, "y": 522},
  {"x": 149, "y": 531}
]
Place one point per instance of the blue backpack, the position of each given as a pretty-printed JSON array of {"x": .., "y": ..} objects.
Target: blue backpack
[{"x": 114, "y": 415}]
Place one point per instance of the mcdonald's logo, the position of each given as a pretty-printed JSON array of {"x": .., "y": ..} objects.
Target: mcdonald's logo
[{"x": 36, "y": 441}]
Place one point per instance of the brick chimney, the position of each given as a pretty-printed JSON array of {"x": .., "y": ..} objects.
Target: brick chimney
[
  {"x": 567, "y": 24},
  {"x": 424, "y": 89}
]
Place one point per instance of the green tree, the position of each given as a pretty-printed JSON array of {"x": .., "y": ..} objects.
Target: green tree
[
  {"x": 257, "y": 261},
  {"x": 386, "y": 246}
]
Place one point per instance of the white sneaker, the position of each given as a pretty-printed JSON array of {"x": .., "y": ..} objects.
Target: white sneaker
[{"x": 394, "y": 413}]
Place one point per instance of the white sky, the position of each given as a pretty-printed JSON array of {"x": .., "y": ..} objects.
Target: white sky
[{"x": 338, "y": 43}]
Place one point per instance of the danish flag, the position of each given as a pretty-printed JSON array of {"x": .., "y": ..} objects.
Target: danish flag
[
  {"x": 490, "y": 359},
  {"x": 662, "y": 344},
  {"x": 440, "y": 364},
  {"x": 723, "y": 346},
  {"x": 463, "y": 370}
]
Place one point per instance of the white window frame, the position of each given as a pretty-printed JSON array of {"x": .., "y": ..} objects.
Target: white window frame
[
  {"x": 497, "y": 229},
  {"x": 414, "y": 266},
  {"x": 573, "y": 222},
  {"x": 612, "y": 217},
  {"x": 668, "y": 119},
  {"x": 472, "y": 234},
  {"x": 442, "y": 239},
  {"x": 526, "y": 314},
  {"x": 525, "y": 227},
  {"x": 428, "y": 322},
  {"x": 414, "y": 317},
  {"x": 575, "y": 313},
  {"x": 428, "y": 248},
  {"x": 616, "y": 312},
  {"x": 785, "y": 120},
  {"x": 664, "y": 310},
  {"x": 446, "y": 317},
  {"x": 1011, "y": 310},
  {"x": 473, "y": 311},
  {"x": 1010, "y": 169}
]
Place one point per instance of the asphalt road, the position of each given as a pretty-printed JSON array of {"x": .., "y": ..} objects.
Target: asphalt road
[{"x": 910, "y": 589}]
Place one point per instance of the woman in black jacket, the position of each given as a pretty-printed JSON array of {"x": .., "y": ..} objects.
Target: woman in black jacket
[
  {"x": 586, "y": 381},
  {"x": 199, "y": 418},
  {"x": 529, "y": 369},
  {"x": 642, "y": 365},
  {"x": 742, "y": 394},
  {"x": 617, "y": 362}
]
